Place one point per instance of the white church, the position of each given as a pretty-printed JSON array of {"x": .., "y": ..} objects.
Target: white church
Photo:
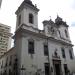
[{"x": 38, "y": 52}]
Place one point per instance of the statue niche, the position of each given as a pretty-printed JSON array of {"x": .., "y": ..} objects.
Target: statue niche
[{"x": 55, "y": 55}]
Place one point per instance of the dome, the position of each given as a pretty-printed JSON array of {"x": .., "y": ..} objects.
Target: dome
[
  {"x": 28, "y": 2},
  {"x": 48, "y": 22},
  {"x": 51, "y": 22},
  {"x": 58, "y": 19}
]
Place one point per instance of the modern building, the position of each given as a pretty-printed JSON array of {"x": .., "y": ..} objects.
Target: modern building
[
  {"x": 0, "y": 2},
  {"x": 39, "y": 52},
  {"x": 5, "y": 38}
]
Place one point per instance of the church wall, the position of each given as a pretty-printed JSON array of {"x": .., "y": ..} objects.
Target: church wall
[
  {"x": 37, "y": 60},
  {"x": 34, "y": 61}
]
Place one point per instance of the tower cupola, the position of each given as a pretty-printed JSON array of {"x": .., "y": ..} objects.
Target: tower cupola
[
  {"x": 48, "y": 22},
  {"x": 59, "y": 21},
  {"x": 49, "y": 28}
]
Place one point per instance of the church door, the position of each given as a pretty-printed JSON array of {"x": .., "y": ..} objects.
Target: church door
[{"x": 57, "y": 67}]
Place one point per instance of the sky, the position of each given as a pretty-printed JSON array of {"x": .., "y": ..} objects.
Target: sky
[{"x": 63, "y": 8}]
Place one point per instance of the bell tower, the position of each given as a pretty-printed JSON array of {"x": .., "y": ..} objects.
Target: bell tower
[
  {"x": 62, "y": 28},
  {"x": 27, "y": 14}
]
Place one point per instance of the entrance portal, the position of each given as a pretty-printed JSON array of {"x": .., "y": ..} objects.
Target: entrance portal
[{"x": 57, "y": 67}]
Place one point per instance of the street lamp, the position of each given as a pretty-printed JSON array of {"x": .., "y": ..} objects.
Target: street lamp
[{"x": 22, "y": 69}]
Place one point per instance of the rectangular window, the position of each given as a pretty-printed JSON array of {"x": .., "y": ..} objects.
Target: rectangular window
[
  {"x": 66, "y": 33},
  {"x": 46, "y": 50},
  {"x": 2, "y": 64},
  {"x": 70, "y": 53},
  {"x": 59, "y": 34},
  {"x": 31, "y": 47},
  {"x": 6, "y": 62},
  {"x": 46, "y": 68},
  {"x": 19, "y": 20},
  {"x": 63, "y": 53},
  {"x": 10, "y": 61},
  {"x": 31, "y": 18}
]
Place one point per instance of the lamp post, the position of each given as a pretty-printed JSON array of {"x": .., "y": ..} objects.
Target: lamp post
[{"x": 22, "y": 69}]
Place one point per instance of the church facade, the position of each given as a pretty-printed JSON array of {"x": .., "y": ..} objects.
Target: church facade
[{"x": 39, "y": 52}]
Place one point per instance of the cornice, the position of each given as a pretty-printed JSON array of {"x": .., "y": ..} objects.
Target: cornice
[
  {"x": 25, "y": 5},
  {"x": 40, "y": 35}
]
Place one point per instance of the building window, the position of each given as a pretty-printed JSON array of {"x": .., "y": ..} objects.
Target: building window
[
  {"x": 59, "y": 34},
  {"x": 66, "y": 69},
  {"x": 70, "y": 53},
  {"x": 63, "y": 53},
  {"x": 6, "y": 62},
  {"x": 31, "y": 47},
  {"x": 2, "y": 64},
  {"x": 15, "y": 66},
  {"x": 31, "y": 18},
  {"x": 19, "y": 20},
  {"x": 46, "y": 50},
  {"x": 10, "y": 72},
  {"x": 66, "y": 34},
  {"x": 46, "y": 68},
  {"x": 10, "y": 61}
]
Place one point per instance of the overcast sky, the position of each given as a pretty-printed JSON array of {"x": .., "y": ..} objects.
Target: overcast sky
[{"x": 64, "y": 8}]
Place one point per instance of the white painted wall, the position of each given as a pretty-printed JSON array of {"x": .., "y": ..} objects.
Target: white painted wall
[{"x": 38, "y": 58}]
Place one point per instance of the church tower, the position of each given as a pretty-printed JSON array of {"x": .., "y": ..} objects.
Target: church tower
[
  {"x": 27, "y": 18},
  {"x": 27, "y": 14},
  {"x": 62, "y": 29}
]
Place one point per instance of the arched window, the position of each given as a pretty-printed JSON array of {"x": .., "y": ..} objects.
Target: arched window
[
  {"x": 31, "y": 18},
  {"x": 66, "y": 33}
]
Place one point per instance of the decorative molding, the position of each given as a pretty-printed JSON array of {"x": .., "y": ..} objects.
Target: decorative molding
[
  {"x": 52, "y": 31},
  {"x": 41, "y": 35}
]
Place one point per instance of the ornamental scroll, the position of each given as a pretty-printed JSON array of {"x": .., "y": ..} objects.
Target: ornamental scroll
[{"x": 51, "y": 30}]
